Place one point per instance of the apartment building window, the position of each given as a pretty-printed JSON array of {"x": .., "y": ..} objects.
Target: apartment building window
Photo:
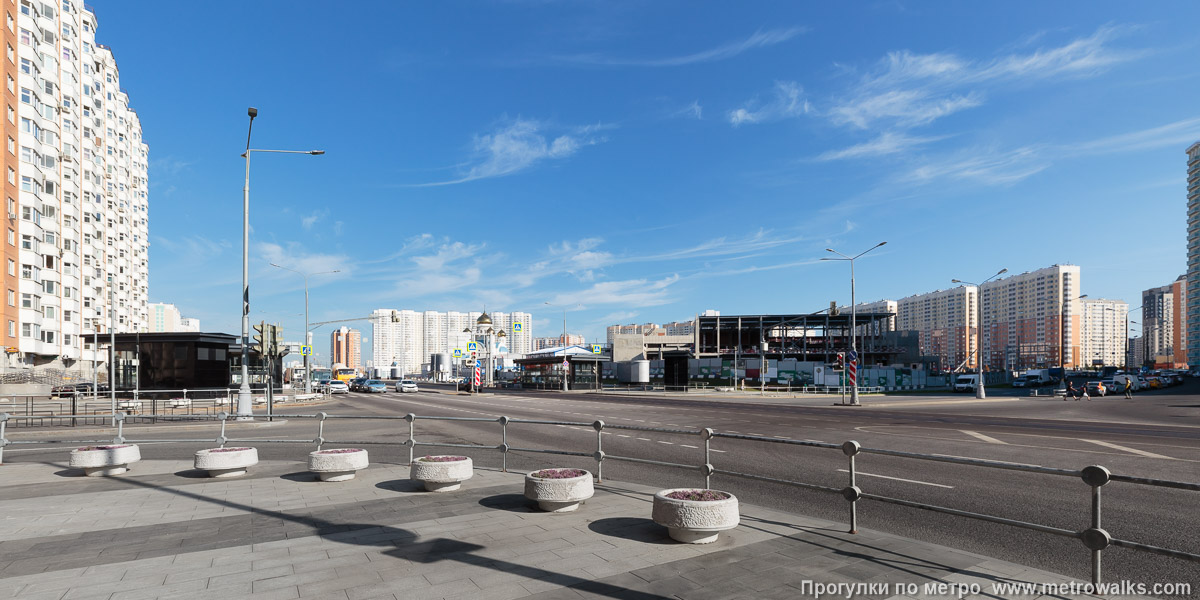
[
  {"x": 12, "y": 114},
  {"x": 12, "y": 267},
  {"x": 26, "y": 37},
  {"x": 12, "y": 237}
]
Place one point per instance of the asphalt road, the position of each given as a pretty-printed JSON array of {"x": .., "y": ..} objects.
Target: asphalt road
[{"x": 1155, "y": 435}]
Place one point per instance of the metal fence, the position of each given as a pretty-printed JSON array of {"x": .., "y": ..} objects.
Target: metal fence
[
  {"x": 85, "y": 408},
  {"x": 1095, "y": 538}
]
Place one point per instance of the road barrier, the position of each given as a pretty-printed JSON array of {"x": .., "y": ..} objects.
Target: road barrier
[
  {"x": 83, "y": 408},
  {"x": 1094, "y": 538}
]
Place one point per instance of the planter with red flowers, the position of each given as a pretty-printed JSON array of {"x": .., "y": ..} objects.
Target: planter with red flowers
[
  {"x": 104, "y": 461},
  {"x": 226, "y": 462},
  {"x": 695, "y": 516},
  {"x": 337, "y": 465},
  {"x": 442, "y": 473},
  {"x": 559, "y": 490}
]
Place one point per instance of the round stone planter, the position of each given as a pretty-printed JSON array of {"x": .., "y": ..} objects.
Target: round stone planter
[
  {"x": 337, "y": 465},
  {"x": 103, "y": 461},
  {"x": 555, "y": 493},
  {"x": 226, "y": 462},
  {"x": 695, "y": 521},
  {"x": 442, "y": 473}
]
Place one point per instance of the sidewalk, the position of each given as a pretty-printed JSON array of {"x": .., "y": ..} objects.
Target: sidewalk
[{"x": 163, "y": 531}]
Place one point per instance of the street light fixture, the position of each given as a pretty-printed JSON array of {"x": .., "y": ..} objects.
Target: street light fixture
[
  {"x": 979, "y": 388},
  {"x": 853, "y": 317},
  {"x": 245, "y": 407},
  {"x": 307, "y": 334}
]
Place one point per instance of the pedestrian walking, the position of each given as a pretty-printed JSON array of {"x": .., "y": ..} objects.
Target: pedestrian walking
[
  {"x": 1070, "y": 392},
  {"x": 1129, "y": 387}
]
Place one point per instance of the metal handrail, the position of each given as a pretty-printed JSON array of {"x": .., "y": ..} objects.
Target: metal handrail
[{"x": 1095, "y": 538}]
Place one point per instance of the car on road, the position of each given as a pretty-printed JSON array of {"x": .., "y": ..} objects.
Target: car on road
[
  {"x": 406, "y": 385},
  {"x": 338, "y": 387},
  {"x": 356, "y": 384},
  {"x": 1096, "y": 388},
  {"x": 966, "y": 383},
  {"x": 374, "y": 386}
]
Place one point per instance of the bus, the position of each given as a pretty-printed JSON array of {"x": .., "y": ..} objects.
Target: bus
[{"x": 344, "y": 374}]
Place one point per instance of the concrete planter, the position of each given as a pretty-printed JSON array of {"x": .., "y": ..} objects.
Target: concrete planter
[
  {"x": 442, "y": 473},
  {"x": 226, "y": 462},
  {"x": 558, "y": 494},
  {"x": 104, "y": 461},
  {"x": 337, "y": 465},
  {"x": 695, "y": 521}
]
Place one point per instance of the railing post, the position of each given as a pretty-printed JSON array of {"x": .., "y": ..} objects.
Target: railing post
[
  {"x": 599, "y": 427},
  {"x": 223, "y": 417},
  {"x": 120, "y": 419},
  {"x": 4, "y": 440},
  {"x": 412, "y": 440},
  {"x": 320, "y": 430},
  {"x": 707, "y": 434},
  {"x": 503, "y": 444},
  {"x": 851, "y": 493},
  {"x": 1096, "y": 538}
]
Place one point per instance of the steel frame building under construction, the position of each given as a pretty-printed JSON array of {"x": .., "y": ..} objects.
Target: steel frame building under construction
[{"x": 814, "y": 337}]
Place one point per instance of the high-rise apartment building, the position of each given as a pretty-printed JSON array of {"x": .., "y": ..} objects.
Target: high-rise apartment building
[
  {"x": 407, "y": 338},
  {"x": 571, "y": 339},
  {"x": 1103, "y": 338},
  {"x": 164, "y": 318},
  {"x": 1164, "y": 330},
  {"x": 944, "y": 321},
  {"x": 75, "y": 189},
  {"x": 345, "y": 347},
  {"x": 1180, "y": 290},
  {"x": 1033, "y": 319},
  {"x": 1193, "y": 255},
  {"x": 875, "y": 327},
  {"x": 614, "y": 330}
]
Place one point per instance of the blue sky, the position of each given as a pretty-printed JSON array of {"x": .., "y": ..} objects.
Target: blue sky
[{"x": 644, "y": 161}]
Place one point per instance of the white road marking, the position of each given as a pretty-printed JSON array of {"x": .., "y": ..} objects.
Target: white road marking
[
  {"x": 1130, "y": 450},
  {"x": 898, "y": 479},
  {"x": 721, "y": 451},
  {"x": 687, "y": 446},
  {"x": 979, "y": 436},
  {"x": 667, "y": 443},
  {"x": 621, "y": 435},
  {"x": 644, "y": 439}
]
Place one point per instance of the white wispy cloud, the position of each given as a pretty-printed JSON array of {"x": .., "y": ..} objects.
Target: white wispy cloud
[
  {"x": 294, "y": 256},
  {"x": 521, "y": 144},
  {"x": 308, "y": 222},
  {"x": 1179, "y": 133},
  {"x": 692, "y": 111},
  {"x": 786, "y": 100},
  {"x": 888, "y": 142},
  {"x": 906, "y": 89},
  {"x": 985, "y": 165},
  {"x": 725, "y": 51},
  {"x": 630, "y": 292}
]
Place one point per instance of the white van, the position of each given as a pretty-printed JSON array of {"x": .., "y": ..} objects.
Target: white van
[{"x": 966, "y": 383}]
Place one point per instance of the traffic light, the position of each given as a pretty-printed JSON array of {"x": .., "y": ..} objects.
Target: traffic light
[
  {"x": 840, "y": 363},
  {"x": 259, "y": 337},
  {"x": 272, "y": 346}
]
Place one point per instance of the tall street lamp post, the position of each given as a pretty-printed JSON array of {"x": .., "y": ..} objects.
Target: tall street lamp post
[
  {"x": 979, "y": 391},
  {"x": 307, "y": 335},
  {"x": 245, "y": 407},
  {"x": 566, "y": 369},
  {"x": 853, "y": 317}
]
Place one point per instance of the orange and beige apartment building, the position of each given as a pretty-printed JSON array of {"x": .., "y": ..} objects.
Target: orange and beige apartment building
[
  {"x": 345, "y": 348},
  {"x": 75, "y": 189}
]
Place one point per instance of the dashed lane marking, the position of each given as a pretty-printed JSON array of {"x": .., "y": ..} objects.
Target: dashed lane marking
[
  {"x": 898, "y": 479},
  {"x": 644, "y": 439},
  {"x": 667, "y": 443},
  {"x": 979, "y": 436},
  {"x": 692, "y": 447},
  {"x": 1127, "y": 449}
]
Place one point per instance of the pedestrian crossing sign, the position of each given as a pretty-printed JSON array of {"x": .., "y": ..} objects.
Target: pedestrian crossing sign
[
  {"x": 458, "y": 353},
  {"x": 305, "y": 350},
  {"x": 517, "y": 327},
  {"x": 597, "y": 348},
  {"x": 473, "y": 347}
]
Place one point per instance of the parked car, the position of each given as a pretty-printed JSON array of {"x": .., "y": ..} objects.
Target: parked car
[
  {"x": 1019, "y": 382},
  {"x": 1096, "y": 388},
  {"x": 337, "y": 386},
  {"x": 374, "y": 386},
  {"x": 406, "y": 385}
]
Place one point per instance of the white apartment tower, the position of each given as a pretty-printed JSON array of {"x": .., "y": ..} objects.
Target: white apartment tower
[
  {"x": 1034, "y": 319},
  {"x": 408, "y": 338},
  {"x": 945, "y": 322},
  {"x": 1104, "y": 336},
  {"x": 77, "y": 189}
]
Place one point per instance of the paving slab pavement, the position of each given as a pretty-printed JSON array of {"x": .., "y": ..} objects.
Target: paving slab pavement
[{"x": 162, "y": 531}]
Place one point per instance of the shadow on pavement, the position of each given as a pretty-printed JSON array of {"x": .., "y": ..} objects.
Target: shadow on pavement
[
  {"x": 510, "y": 502},
  {"x": 632, "y": 528},
  {"x": 400, "y": 485}
]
